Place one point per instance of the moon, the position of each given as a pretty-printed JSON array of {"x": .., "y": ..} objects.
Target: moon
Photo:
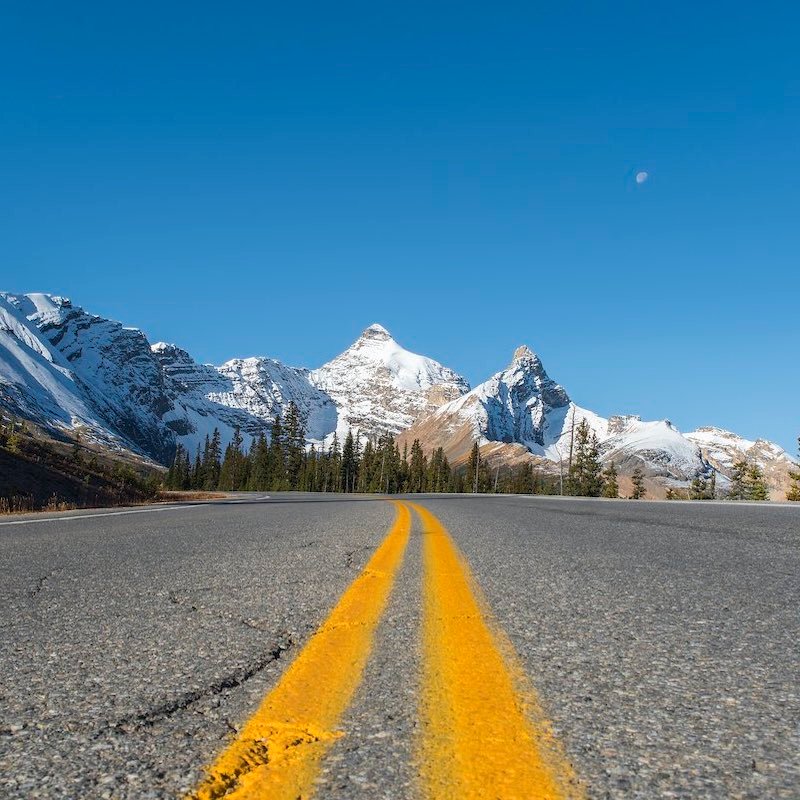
[{"x": 641, "y": 177}]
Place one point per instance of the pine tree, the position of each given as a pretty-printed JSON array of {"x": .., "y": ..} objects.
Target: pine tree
[
  {"x": 349, "y": 466},
  {"x": 258, "y": 480},
  {"x": 794, "y": 475},
  {"x": 200, "y": 481},
  {"x": 437, "y": 477},
  {"x": 473, "y": 469},
  {"x": 212, "y": 461},
  {"x": 637, "y": 481},
  {"x": 294, "y": 444},
  {"x": 308, "y": 482},
  {"x": 584, "y": 477},
  {"x": 703, "y": 488},
  {"x": 233, "y": 473},
  {"x": 747, "y": 482},
  {"x": 178, "y": 476},
  {"x": 333, "y": 461},
  {"x": 756, "y": 485},
  {"x": 698, "y": 489},
  {"x": 610, "y": 483},
  {"x": 365, "y": 466},
  {"x": 278, "y": 480},
  {"x": 402, "y": 470},
  {"x": 196, "y": 476},
  {"x": 738, "y": 488},
  {"x": 417, "y": 468}
]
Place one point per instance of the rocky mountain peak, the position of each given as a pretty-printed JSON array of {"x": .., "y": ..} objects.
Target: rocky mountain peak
[
  {"x": 524, "y": 353},
  {"x": 380, "y": 387},
  {"x": 529, "y": 379},
  {"x": 376, "y": 332}
]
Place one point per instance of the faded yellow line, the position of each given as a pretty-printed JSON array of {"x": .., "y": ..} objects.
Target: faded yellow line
[
  {"x": 277, "y": 753},
  {"x": 483, "y": 732}
]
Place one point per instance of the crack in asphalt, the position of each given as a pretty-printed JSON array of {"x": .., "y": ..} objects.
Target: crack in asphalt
[
  {"x": 151, "y": 716},
  {"x": 42, "y": 581},
  {"x": 350, "y": 557}
]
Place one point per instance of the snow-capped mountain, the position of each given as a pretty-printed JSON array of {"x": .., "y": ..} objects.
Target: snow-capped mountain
[
  {"x": 119, "y": 378},
  {"x": 247, "y": 393},
  {"x": 36, "y": 381},
  {"x": 657, "y": 447},
  {"x": 522, "y": 405},
  {"x": 66, "y": 370},
  {"x": 379, "y": 387},
  {"x": 63, "y": 367},
  {"x": 722, "y": 449}
]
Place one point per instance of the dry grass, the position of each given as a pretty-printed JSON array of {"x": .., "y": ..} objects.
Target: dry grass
[
  {"x": 187, "y": 497},
  {"x": 25, "y": 504}
]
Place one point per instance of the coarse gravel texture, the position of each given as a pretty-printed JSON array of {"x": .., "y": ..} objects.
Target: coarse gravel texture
[{"x": 662, "y": 639}]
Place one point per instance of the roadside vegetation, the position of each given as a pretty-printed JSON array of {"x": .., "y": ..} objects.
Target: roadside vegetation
[{"x": 41, "y": 474}]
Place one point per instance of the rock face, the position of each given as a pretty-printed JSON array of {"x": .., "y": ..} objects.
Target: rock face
[
  {"x": 36, "y": 381},
  {"x": 117, "y": 375},
  {"x": 247, "y": 393},
  {"x": 520, "y": 404},
  {"x": 379, "y": 387}
]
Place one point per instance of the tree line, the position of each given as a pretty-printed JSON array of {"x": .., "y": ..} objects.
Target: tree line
[{"x": 283, "y": 462}]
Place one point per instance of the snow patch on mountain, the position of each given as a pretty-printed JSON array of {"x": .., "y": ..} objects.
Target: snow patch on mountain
[
  {"x": 662, "y": 448},
  {"x": 559, "y": 424},
  {"x": 725, "y": 448}
]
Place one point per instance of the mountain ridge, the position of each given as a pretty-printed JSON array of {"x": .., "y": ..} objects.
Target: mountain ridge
[{"x": 72, "y": 370}]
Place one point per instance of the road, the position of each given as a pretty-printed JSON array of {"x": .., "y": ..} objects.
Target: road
[{"x": 548, "y": 646}]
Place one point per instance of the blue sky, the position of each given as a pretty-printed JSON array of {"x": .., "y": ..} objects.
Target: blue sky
[{"x": 271, "y": 178}]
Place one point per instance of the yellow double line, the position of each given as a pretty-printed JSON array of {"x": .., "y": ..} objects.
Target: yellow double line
[{"x": 483, "y": 735}]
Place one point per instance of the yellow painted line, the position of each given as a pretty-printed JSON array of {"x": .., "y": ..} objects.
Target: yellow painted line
[
  {"x": 483, "y": 732},
  {"x": 276, "y": 755}
]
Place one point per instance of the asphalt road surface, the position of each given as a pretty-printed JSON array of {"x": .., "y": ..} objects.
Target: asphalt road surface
[{"x": 600, "y": 649}]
